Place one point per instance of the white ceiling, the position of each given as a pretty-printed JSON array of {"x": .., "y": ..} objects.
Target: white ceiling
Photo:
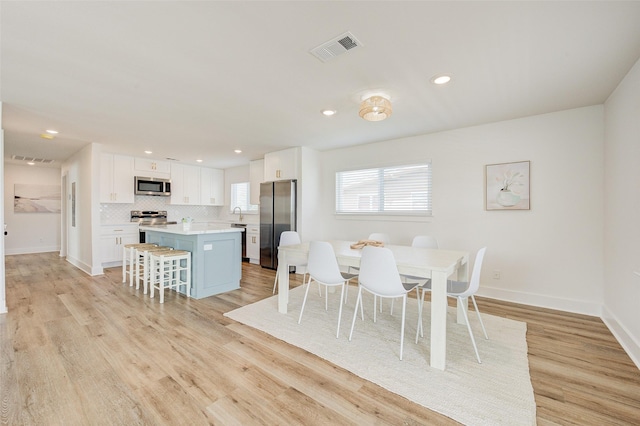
[{"x": 192, "y": 80}]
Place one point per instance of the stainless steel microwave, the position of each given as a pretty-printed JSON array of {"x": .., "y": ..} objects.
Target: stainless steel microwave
[{"x": 152, "y": 186}]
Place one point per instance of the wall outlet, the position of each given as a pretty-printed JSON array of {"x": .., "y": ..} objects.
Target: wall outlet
[{"x": 496, "y": 274}]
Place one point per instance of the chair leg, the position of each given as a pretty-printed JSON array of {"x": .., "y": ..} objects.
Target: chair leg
[
  {"x": 340, "y": 310},
  {"x": 473, "y": 299},
  {"x": 275, "y": 283},
  {"x": 420, "y": 327},
  {"x": 304, "y": 300},
  {"x": 404, "y": 306},
  {"x": 355, "y": 312},
  {"x": 473, "y": 340}
]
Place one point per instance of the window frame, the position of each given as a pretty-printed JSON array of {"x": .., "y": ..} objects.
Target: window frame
[{"x": 384, "y": 193}]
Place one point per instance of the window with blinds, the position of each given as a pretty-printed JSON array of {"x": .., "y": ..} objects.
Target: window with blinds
[
  {"x": 240, "y": 198},
  {"x": 385, "y": 190}
]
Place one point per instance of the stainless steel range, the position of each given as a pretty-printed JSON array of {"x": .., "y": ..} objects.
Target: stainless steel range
[{"x": 150, "y": 218}]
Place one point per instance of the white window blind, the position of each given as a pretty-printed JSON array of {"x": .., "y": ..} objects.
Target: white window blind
[
  {"x": 240, "y": 197},
  {"x": 385, "y": 190}
]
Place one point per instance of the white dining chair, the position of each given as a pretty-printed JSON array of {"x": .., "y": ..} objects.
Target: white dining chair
[
  {"x": 375, "y": 236},
  {"x": 323, "y": 268},
  {"x": 290, "y": 238},
  {"x": 461, "y": 290},
  {"x": 379, "y": 276}
]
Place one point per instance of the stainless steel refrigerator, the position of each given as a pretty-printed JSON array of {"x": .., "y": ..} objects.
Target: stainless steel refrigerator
[{"x": 277, "y": 214}]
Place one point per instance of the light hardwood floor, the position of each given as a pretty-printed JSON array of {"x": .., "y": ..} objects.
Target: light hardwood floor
[{"x": 80, "y": 350}]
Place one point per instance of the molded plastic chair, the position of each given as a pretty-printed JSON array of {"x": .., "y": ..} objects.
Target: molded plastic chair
[
  {"x": 290, "y": 238},
  {"x": 323, "y": 268},
  {"x": 376, "y": 236},
  {"x": 379, "y": 276},
  {"x": 461, "y": 290}
]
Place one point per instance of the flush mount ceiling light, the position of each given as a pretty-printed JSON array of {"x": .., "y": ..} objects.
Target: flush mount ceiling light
[
  {"x": 238, "y": 151},
  {"x": 329, "y": 112},
  {"x": 441, "y": 79},
  {"x": 148, "y": 152},
  {"x": 375, "y": 108}
]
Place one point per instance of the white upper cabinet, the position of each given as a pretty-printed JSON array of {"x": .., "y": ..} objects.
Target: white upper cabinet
[
  {"x": 256, "y": 177},
  {"x": 116, "y": 179},
  {"x": 282, "y": 165},
  {"x": 152, "y": 168},
  {"x": 185, "y": 184},
  {"x": 211, "y": 187}
]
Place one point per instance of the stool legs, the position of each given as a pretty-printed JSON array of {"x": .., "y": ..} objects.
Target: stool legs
[{"x": 166, "y": 270}]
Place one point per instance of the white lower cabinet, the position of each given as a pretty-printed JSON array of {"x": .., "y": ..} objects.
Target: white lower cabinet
[
  {"x": 112, "y": 241},
  {"x": 253, "y": 244}
]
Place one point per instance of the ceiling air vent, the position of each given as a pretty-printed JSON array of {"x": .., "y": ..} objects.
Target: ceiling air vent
[
  {"x": 31, "y": 159},
  {"x": 339, "y": 45}
]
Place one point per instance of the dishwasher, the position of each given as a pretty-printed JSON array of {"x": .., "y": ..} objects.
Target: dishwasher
[{"x": 243, "y": 238}]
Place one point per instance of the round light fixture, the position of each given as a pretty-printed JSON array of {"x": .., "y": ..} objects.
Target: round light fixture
[
  {"x": 329, "y": 112},
  {"x": 238, "y": 151},
  {"x": 375, "y": 108},
  {"x": 52, "y": 132},
  {"x": 198, "y": 161},
  {"x": 148, "y": 152},
  {"x": 441, "y": 79}
]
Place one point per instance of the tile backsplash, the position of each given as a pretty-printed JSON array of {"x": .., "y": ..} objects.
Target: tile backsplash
[{"x": 121, "y": 213}]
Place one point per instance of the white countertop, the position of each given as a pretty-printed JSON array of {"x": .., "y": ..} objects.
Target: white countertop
[{"x": 194, "y": 229}]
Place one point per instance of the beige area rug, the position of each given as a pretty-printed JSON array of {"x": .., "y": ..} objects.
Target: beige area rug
[{"x": 498, "y": 391}]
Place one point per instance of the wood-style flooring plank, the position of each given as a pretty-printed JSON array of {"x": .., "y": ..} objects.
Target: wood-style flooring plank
[{"x": 91, "y": 350}]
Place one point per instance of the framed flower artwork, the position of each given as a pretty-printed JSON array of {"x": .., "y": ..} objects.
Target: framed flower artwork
[{"x": 507, "y": 186}]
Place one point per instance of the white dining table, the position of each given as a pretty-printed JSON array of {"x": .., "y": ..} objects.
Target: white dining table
[{"x": 436, "y": 264}]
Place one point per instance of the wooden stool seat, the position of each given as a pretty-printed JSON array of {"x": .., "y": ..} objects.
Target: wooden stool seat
[
  {"x": 170, "y": 269},
  {"x": 129, "y": 261}
]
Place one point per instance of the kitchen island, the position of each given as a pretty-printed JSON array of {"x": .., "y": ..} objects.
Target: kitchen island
[{"x": 216, "y": 254}]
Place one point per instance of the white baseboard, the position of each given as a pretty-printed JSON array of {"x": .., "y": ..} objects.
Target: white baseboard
[
  {"x": 87, "y": 269},
  {"x": 568, "y": 305},
  {"x": 31, "y": 250},
  {"x": 626, "y": 339}
]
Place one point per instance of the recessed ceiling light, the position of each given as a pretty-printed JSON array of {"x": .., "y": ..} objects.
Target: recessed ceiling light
[
  {"x": 46, "y": 136},
  {"x": 31, "y": 163},
  {"x": 199, "y": 160},
  {"x": 441, "y": 79},
  {"x": 237, "y": 151},
  {"x": 148, "y": 152},
  {"x": 329, "y": 112},
  {"x": 52, "y": 132}
]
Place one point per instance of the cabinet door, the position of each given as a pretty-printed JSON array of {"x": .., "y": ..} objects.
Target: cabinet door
[
  {"x": 185, "y": 184},
  {"x": 106, "y": 178},
  {"x": 152, "y": 168},
  {"x": 113, "y": 238},
  {"x": 211, "y": 187},
  {"x": 192, "y": 185},
  {"x": 116, "y": 179},
  {"x": 256, "y": 177},
  {"x": 123, "y": 182},
  {"x": 253, "y": 244},
  {"x": 281, "y": 165}
]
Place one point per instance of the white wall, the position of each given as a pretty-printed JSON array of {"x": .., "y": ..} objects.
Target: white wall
[
  {"x": 3, "y": 298},
  {"x": 622, "y": 213},
  {"x": 84, "y": 237},
  {"x": 548, "y": 256},
  {"x": 30, "y": 232}
]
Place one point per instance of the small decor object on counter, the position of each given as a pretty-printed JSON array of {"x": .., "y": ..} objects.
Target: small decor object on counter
[
  {"x": 507, "y": 186},
  {"x": 360, "y": 244},
  {"x": 186, "y": 223}
]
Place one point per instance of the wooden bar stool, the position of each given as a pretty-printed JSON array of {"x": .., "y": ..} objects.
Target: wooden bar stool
[
  {"x": 143, "y": 268},
  {"x": 129, "y": 260},
  {"x": 170, "y": 269}
]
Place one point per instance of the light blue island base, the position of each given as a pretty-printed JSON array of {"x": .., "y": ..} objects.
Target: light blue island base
[{"x": 216, "y": 254}]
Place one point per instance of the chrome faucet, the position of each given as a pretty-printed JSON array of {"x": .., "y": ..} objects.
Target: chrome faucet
[{"x": 234, "y": 211}]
